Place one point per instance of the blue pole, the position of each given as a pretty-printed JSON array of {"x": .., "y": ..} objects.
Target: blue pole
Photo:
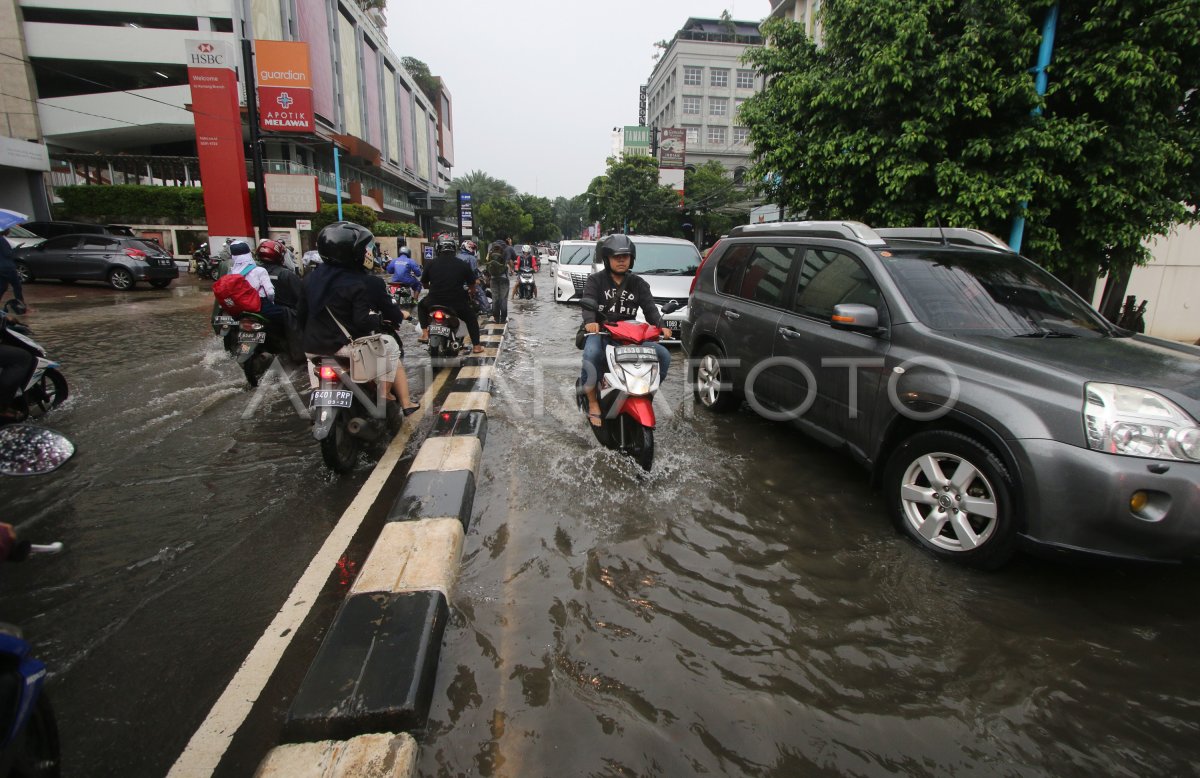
[
  {"x": 337, "y": 174},
  {"x": 1049, "y": 24}
]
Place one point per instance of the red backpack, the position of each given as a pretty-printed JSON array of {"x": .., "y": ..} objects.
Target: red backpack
[{"x": 235, "y": 295}]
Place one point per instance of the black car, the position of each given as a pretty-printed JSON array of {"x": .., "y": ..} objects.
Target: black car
[
  {"x": 53, "y": 229},
  {"x": 993, "y": 405},
  {"x": 121, "y": 262}
]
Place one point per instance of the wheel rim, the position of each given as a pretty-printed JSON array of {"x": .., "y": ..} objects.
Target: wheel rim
[
  {"x": 23, "y": 272},
  {"x": 121, "y": 280},
  {"x": 708, "y": 380},
  {"x": 949, "y": 502}
]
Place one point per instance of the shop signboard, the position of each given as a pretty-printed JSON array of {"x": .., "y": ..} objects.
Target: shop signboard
[{"x": 285, "y": 99}]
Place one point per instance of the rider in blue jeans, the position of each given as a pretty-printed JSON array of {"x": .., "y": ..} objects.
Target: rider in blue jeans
[{"x": 618, "y": 294}]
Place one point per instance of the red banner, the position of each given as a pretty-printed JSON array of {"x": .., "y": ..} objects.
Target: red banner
[
  {"x": 285, "y": 109},
  {"x": 219, "y": 138}
]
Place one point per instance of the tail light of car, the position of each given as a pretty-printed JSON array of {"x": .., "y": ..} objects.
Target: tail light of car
[
  {"x": 135, "y": 253},
  {"x": 696, "y": 277}
]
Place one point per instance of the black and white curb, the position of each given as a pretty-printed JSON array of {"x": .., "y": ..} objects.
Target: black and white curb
[{"x": 373, "y": 675}]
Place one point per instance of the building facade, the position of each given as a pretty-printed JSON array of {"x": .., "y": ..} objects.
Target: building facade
[
  {"x": 699, "y": 83},
  {"x": 111, "y": 86}
]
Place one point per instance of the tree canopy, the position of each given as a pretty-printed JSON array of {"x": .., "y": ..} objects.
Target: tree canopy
[
  {"x": 714, "y": 203},
  {"x": 483, "y": 187},
  {"x": 913, "y": 112},
  {"x": 503, "y": 217},
  {"x": 629, "y": 197},
  {"x": 422, "y": 75}
]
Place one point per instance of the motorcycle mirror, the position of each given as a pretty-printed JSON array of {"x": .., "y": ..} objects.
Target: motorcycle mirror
[
  {"x": 26, "y": 449},
  {"x": 671, "y": 307}
]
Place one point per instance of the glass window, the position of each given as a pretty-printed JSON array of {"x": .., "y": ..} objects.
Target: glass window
[
  {"x": 765, "y": 278},
  {"x": 718, "y": 77},
  {"x": 98, "y": 242},
  {"x": 718, "y": 106},
  {"x": 745, "y": 79},
  {"x": 992, "y": 294},
  {"x": 577, "y": 254},
  {"x": 730, "y": 267},
  {"x": 667, "y": 259},
  {"x": 829, "y": 278},
  {"x": 741, "y": 134},
  {"x": 66, "y": 242},
  {"x": 716, "y": 135},
  {"x": 691, "y": 105},
  {"x": 692, "y": 76},
  {"x": 693, "y": 135}
]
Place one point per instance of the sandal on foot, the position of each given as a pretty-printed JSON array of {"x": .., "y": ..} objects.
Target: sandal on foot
[
  {"x": 477, "y": 350},
  {"x": 595, "y": 419}
]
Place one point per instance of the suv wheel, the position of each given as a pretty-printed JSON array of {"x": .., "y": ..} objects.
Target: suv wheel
[
  {"x": 711, "y": 382},
  {"x": 952, "y": 496}
]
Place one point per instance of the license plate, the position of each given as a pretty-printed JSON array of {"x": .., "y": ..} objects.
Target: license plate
[
  {"x": 219, "y": 320},
  {"x": 439, "y": 329},
  {"x": 331, "y": 398},
  {"x": 252, "y": 337},
  {"x": 673, "y": 324},
  {"x": 636, "y": 354}
]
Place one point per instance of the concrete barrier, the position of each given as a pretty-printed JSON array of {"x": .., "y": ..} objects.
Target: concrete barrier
[{"x": 375, "y": 669}]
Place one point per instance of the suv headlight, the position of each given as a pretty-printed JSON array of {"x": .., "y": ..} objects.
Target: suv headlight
[{"x": 1138, "y": 423}]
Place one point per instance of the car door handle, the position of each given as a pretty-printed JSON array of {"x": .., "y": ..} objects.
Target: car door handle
[
  {"x": 789, "y": 333},
  {"x": 732, "y": 315}
]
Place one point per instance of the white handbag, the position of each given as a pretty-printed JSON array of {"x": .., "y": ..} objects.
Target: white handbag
[{"x": 367, "y": 354}]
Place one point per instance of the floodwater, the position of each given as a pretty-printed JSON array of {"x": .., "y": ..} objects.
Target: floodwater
[
  {"x": 191, "y": 507},
  {"x": 747, "y": 609}
]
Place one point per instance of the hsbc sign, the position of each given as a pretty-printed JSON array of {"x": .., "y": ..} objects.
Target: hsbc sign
[{"x": 210, "y": 54}]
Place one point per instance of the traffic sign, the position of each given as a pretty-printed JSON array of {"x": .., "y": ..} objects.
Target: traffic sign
[{"x": 427, "y": 253}]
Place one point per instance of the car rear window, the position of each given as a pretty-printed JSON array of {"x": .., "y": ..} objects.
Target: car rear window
[
  {"x": 577, "y": 255},
  {"x": 991, "y": 294},
  {"x": 666, "y": 259},
  {"x": 147, "y": 246}
]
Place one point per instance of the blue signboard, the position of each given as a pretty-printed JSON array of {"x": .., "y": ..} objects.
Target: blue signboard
[{"x": 427, "y": 253}]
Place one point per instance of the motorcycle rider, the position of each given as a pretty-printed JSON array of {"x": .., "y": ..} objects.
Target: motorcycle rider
[
  {"x": 8, "y": 270},
  {"x": 618, "y": 294},
  {"x": 342, "y": 286},
  {"x": 288, "y": 289},
  {"x": 258, "y": 278},
  {"x": 525, "y": 262},
  {"x": 447, "y": 275},
  {"x": 406, "y": 271},
  {"x": 16, "y": 365},
  {"x": 468, "y": 252}
]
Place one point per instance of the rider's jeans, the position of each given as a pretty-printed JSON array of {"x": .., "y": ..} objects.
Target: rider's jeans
[
  {"x": 595, "y": 364},
  {"x": 499, "y": 298}
]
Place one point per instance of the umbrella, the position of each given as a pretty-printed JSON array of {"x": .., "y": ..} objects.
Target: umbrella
[{"x": 9, "y": 218}]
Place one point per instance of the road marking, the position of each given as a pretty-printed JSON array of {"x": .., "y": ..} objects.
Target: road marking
[{"x": 211, "y": 740}]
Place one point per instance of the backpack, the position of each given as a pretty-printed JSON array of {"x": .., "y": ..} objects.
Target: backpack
[
  {"x": 495, "y": 264},
  {"x": 235, "y": 295}
]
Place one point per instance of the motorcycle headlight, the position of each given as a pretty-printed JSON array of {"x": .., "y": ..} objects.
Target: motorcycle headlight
[{"x": 1139, "y": 423}]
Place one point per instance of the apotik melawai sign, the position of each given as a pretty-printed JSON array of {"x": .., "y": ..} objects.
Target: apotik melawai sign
[{"x": 285, "y": 101}]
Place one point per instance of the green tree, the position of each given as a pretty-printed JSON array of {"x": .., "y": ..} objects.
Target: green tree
[
  {"x": 482, "y": 187},
  {"x": 629, "y": 198},
  {"x": 351, "y": 212},
  {"x": 570, "y": 214},
  {"x": 503, "y": 217},
  {"x": 424, "y": 78},
  {"x": 919, "y": 111},
  {"x": 541, "y": 212},
  {"x": 715, "y": 203}
]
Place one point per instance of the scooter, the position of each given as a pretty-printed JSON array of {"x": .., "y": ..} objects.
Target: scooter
[
  {"x": 402, "y": 294},
  {"x": 256, "y": 342},
  {"x": 525, "y": 285},
  {"x": 626, "y": 391},
  {"x": 204, "y": 263},
  {"x": 46, "y": 387},
  {"x": 345, "y": 413},
  {"x": 29, "y": 743},
  {"x": 447, "y": 335}
]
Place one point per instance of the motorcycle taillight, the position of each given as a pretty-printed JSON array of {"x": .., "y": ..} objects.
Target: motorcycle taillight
[
  {"x": 439, "y": 315},
  {"x": 250, "y": 325},
  {"x": 326, "y": 373}
]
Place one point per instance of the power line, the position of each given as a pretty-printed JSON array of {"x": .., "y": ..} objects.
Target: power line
[{"x": 72, "y": 110}]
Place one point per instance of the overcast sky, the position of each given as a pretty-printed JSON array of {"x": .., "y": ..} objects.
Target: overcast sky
[{"x": 538, "y": 85}]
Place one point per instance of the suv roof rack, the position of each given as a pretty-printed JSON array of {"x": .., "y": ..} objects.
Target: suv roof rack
[
  {"x": 959, "y": 236},
  {"x": 846, "y": 230}
]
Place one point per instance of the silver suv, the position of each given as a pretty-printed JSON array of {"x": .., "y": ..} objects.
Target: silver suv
[{"x": 993, "y": 406}]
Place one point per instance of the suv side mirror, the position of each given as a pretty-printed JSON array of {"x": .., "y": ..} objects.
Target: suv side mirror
[{"x": 855, "y": 317}]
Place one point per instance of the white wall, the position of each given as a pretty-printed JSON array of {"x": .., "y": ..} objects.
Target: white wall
[
  {"x": 118, "y": 105},
  {"x": 1171, "y": 285},
  {"x": 112, "y": 44}
]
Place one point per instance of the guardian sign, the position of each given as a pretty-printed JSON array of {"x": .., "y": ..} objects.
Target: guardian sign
[{"x": 285, "y": 101}]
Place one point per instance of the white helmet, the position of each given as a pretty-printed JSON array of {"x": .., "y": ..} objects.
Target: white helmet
[{"x": 526, "y": 249}]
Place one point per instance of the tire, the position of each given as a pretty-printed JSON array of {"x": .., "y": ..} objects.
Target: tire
[
  {"x": 339, "y": 449},
  {"x": 395, "y": 417},
  {"x": 251, "y": 371},
  {"x": 120, "y": 279},
  {"x": 160, "y": 283},
  {"x": 925, "y": 476},
  {"x": 53, "y": 389},
  {"x": 23, "y": 273},
  {"x": 708, "y": 377},
  {"x": 40, "y": 752},
  {"x": 639, "y": 442}
]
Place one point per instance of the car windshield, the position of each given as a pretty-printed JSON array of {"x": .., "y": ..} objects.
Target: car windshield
[
  {"x": 577, "y": 255},
  {"x": 666, "y": 259},
  {"x": 17, "y": 231},
  {"x": 991, "y": 294}
]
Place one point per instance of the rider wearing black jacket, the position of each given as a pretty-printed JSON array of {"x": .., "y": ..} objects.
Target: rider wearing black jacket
[{"x": 446, "y": 276}]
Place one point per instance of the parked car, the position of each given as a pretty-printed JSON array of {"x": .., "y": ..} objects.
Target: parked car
[
  {"x": 53, "y": 229},
  {"x": 18, "y": 236},
  {"x": 119, "y": 261},
  {"x": 994, "y": 407}
]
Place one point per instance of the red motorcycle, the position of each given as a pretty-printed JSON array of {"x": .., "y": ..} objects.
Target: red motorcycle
[{"x": 626, "y": 391}]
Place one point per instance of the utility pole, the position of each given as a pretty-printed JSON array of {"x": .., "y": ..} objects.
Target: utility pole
[{"x": 260, "y": 194}]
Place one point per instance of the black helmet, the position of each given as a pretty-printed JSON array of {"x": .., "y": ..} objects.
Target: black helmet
[
  {"x": 615, "y": 244},
  {"x": 344, "y": 244},
  {"x": 445, "y": 244}
]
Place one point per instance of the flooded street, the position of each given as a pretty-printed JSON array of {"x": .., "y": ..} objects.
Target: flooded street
[
  {"x": 187, "y": 513},
  {"x": 747, "y": 609}
]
